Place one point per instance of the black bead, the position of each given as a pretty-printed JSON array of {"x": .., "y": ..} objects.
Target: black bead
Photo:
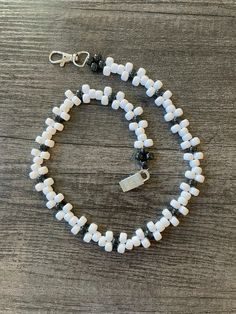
[
  {"x": 141, "y": 156},
  {"x": 79, "y": 94},
  {"x": 137, "y": 119},
  {"x": 150, "y": 156},
  {"x": 97, "y": 57},
  {"x": 43, "y": 148},
  {"x": 111, "y": 97},
  {"x": 132, "y": 74},
  {"x": 84, "y": 229},
  {"x": 94, "y": 67},
  {"x": 58, "y": 119},
  {"x": 159, "y": 92},
  {"x": 144, "y": 165},
  {"x": 148, "y": 234},
  {"x": 90, "y": 60},
  {"x": 101, "y": 64},
  {"x": 192, "y": 149},
  {"x": 42, "y": 178},
  {"x": 115, "y": 243}
]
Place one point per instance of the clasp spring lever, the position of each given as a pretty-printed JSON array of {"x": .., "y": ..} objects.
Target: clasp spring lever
[{"x": 79, "y": 59}]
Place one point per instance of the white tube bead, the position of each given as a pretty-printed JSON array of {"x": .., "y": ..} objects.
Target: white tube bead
[
  {"x": 129, "y": 107},
  {"x": 166, "y": 213},
  {"x": 133, "y": 126},
  {"x": 51, "y": 195},
  {"x": 82, "y": 221},
  {"x": 157, "y": 84},
  {"x": 143, "y": 124},
  {"x": 143, "y": 80},
  {"x": 175, "y": 204},
  {"x": 109, "y": 235},
  {"x": 59, "y": 197},
  {"x": 108, "y": 247},
  {"x": 50, "y": 204},
  {"x": 185, "y": 145},
  {"x": 145, "y": 243},
  {"x": 187, "y": 137},
  {"x": 67, "y": 208},
  {"x": 60, "y": 215},
  {"x": 159, "y": 226},
  {"x": 120, "y": 69},
  {"x": 123, "y": 237},
  {"x": 141, "y": 72},
  {"x": 182, "y": 200},
  {"x": 151, "y": 91},
  {"x": 165, "y": 222},
  {"x": 114, "y": 68},
  {"x": 33, "y": 175},
  {"x": 106, "y": 71},
  {"x": 198, "y": 155},
  {"x": 87, "y": 237},
  {"x": 139, "y": 131},
  {"x": 138, "y": 111},
  {"x": 139, "y": 232},
  {"x": 169, "y": 116},
  {"x": 148, "y": 142},
  {"x": 194, "y": 163},
  {"x": 197, "y": 170},
  {"x": 76, "y": 100},
  {"x": 129, "y": 244},
  {"x": 121, "y": 248},
  {"x": 92, "y": 93},
  {"x": 129, "y": 115},
  {"x": 45, "y": 155},
  {"x": 170, "y": 108},
  {"x": 186, "y": 195},
  {"x": 174, "y": 221},
  {"x": 184, "y": 123},
  {"x": 199, "y": 178},
  {"x": 136, "y": 241},
  {"x": 115, "y": 104},
  {"x": 188, "y": 156},
  {"x": 129, "y": 67},
  {"x": 195, "y": 141},
  {"x": 151, "y": 226},
  {"x": 184, "y": 186},
  {"x": 72, "y": 222},
  {"x": 120, "y": 95},
  {"x": 157, "y": 235},
  {"x": 142, "y": 137},
  {"x": 189, "y": 174},
  {"x": 123, "y": 103},
  {"x": 175, "y": 128},
  {"x": 159, "y": 101},
  {"x": 167, "y": 94},
  {"x": 194, "y": 191},
  {"x": 125, "y": 76},
  {"x": 109, "y": 61},
  {"x": 96, "y": 236},
  {"x": 76, "y": 229},
  {"x": 183, "y": 210},
  {"x": 104, "y": 100},
  {"x": 98, "y": 94},
  {"x": 136, "y": 81},
  {"x": 178, "y": 112},
  {"x": 69, "y": 94}
]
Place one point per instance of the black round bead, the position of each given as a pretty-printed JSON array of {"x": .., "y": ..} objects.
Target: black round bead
[
  {"x": 79, "y": 94},
  {"x": 132, "y": 74},
  {"x": 101, "y": 64},
  {"x": 150, "y": 156},
  {"x": 90, "y": 60},
  {"x": 94, "y": 67},
  {"x": 97, "y": 57},
  {"x": 43, "y": 147},
  {"x": 42, "y": 178},
  {"x": 144, "y": 165},
  {"x": 111, "y": 97},
  {"x": 58, "y": 119}
]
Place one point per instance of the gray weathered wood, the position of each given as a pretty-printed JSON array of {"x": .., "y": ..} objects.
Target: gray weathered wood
[{"x": 190, "y": 45}]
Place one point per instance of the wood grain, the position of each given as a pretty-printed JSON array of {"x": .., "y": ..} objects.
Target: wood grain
[{"x": 190, "y": 46}]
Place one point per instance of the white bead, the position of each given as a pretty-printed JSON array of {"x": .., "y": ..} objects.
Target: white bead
[
  {"x": 189, "y": 174},
  {"x": 136, "y": 241},
  {"x": 198, "y": 155},
  {"x": 129, "y": 115},
  {"x": 186, "y": 195},
  {"x": 143, "y": 80},
  {"x": 194, "y": 191},
  {"x": 104, "y": 100},
  {"x": 129, "y": 107},
  {"x": 159, "y": 226},
  {"x": 114, "y": 68},
  {"x": 64, "y": 107},
  {"x": 142, "y": 137},
  {"x": 82, "y": 221},
  {"x": 109, "y": 235},
  {"x": 120, "y": 96},
  {"x": 184, "y": 186},
  {"x": 141, "y": 72},
  {"x": 165, "y": 222},
  {"x": 157, "y": 235},
  {"x": 188, "y": 156},
  {"x": 139, "y": 232},
  {"x": 51, "y": 195},
  {"x": 45, "y": 155},
  {"x": 167, "y": 103},
  {"x": 133, "y": 126},
  {"x": 187, "y": 137},
  {"x": 197, "y": 170},
  {"x": 148, "y": 142},
  {"x": 35, "y": 152},
  {"x": 129, "y": 67},
  {"x": 108, "y": 247},
  {"x": 143, "y": 124},
  {"x": 121, "y": 248},
  {"x": 136, "y": 81},
  {"x": 159, "y": 101},
  {"x": 47, "y": 189},
  {"x": 175, "y": 204},
  {"x": 174, "y": 221},
  {"x": 33, "y": 175},
  {"x": 96, "y": 236},
  {"x": 69, "y": 94},
  {"x": 85, "y": 88},
  {"x": 145, "y": 243},
  {"x": 123, "y": 237},
  {"x": 183, "y": 131},
  {"x": 199, "y": 178},
  {"x": 129, "y": 244},
  {"x": 170, "y": 108},
  {"x": 175, "y": 128},
  {"x": 120, "y": 69},
  {"x": 87, "y": 237},
  {"x": 43, "y": 170},
  {"x": 149, "y": 84},
  {"x": 51, "y": 130},
  {"x": 151, "y": 91},
  {"x": 35, "y": 167},
  {"x": 195, "y": 141},
  {"x": 86, "y": 98},
  {"x": 49, "y": 143},
  {"x": 182, "y": 200},
  {"x": 123, "y": 103},
  {"x": 56, "y": 110},
  {"x": 92, "y": 228},
  {"x": 102, "y": 241},
  {"x": 39, "y": 186},
  {"x": 169, "y": 116},
  {"x": 107, "y": 91},
  {"x": 151, "y": 226},
  {"x": 194, "y": 163},
  {"x": 73, "y": 221},
  {"x": 68, "y": 216},
  {"x": 98, "y": 94},
  {"x": 158, "y": 84},
  {"x": 183, "y": 210},
  {"x": 166, "y": 213},
  {"x": 76, "y": 100},
  {"x": 76, "y": 229},
  {"x": 184, "y": 123},
  {"x": 139, "y": 131},
  {"x": 138, "y": 111},
  {"x": 167, "y": 94},
  {"x": 37, "y": 160},
  {"x": 50, "y": 204},
  {"x": 178, "y": 112},
  {"x": 185, "y": 145},
  {"x": 66, "y": 208},
  {"x": 60, "y": 215},
  {"x": 49, "y": 121},
  {"x": 106, "y": 70},
  {"x": 39, "y": 140},
  {"x": 58, "y": 126},
  {"x": 109, "y": 61},
  {"x": 92, "y": 93},
  {"x": 68, "y": 102},
  {"x": 115, "y": 104},
  {"x": 59, "y": 197},
  {"x": 125, "y": 76},
  {"x": 65, "y": 116}
]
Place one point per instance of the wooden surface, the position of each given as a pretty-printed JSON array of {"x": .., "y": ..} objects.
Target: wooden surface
[{"x": 190, "y": 46}]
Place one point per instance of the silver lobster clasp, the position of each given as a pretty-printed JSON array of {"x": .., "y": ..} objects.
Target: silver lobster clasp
[{"x": 63, "y": 58}]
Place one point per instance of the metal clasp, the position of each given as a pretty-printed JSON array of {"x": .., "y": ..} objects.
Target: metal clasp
[
  {"x": 64, "y": 58},
  {"x": 134, "y": 180}
]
